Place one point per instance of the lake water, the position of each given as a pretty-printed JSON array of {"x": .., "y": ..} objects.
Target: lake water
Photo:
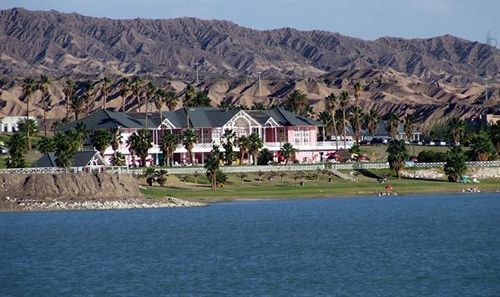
[{"x": 443, "y": 245}]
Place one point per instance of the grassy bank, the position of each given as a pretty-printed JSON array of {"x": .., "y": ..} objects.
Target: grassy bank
[{"x": 252, "y": 188}]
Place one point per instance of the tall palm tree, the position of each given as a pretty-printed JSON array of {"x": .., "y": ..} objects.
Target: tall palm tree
[
  {"x": 101, "y": 139},
  {"x": 171, "y": 100},
  {"x": 168, "y": 146},
  {"x": 88, "y": 99},
  {"x": 29, "y": 87},
  {"x": 77, "y": 104},
  {"x": 331, "y": 107},
  {"x": 43, "y": 86},
  {"x": 287, "y": 151},
  {"x": 296, "y": 101},
  {"x": 116, "y": 139},
  {"x": 190, "y": 94},
  {"x": 372, "y": 120},
  {"x": 69, "y": 90},
  {"x": 356, "y": 113},
  {"x": 189, "y": 138},
  {"x": 124, "y": 92},
  {"x": 344, "y": 102},
  {"x": 457, "y": 130},
  {"x": 254, "y": 145},
  {"x": 357, "y": 116},
  {"x": 139, "y": 143},
  {"x": 326, "y": 118},
  {"x": 159, "y": 101},
  {"x": 409, "y": 126},
  {"x": 105, "y": 88},
  {"x": 151, "y": 93},
  {"x": 137, "y": 85},
  {"x": 243, "y": 146},
  {"x": 392, "y": 124},
  {"x": 397, "y": 155}
]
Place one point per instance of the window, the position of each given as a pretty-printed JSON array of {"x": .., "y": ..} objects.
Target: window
[
  {"x": 298, "y": 135},
  {"x": 307, "y": 135},
  {"x": 216, "y": 135}
]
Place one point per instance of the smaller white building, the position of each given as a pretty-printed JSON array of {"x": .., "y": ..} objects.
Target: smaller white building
[{"x": 8, "y": 124}]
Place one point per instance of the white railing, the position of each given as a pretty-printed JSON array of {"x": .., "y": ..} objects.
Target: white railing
[{"x": 236, "y": 168}]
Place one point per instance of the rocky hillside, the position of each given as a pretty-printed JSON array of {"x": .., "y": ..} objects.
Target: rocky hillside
[{"x": 438, "y": 76}]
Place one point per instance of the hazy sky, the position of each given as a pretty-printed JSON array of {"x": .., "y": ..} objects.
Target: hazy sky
[{"x": 470, "y": 19}]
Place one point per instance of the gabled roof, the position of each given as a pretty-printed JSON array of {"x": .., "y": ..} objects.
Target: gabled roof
[
  {"x": 106, "y": 119},
  {"x": 80, "y": 159},
  {"x": 283, "y": 117}
]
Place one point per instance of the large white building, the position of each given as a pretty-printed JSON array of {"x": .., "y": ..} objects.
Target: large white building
[{"x": 8, "y": 124}]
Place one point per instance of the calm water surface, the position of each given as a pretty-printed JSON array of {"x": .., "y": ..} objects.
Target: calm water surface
[{"x": 446, "y": 245}]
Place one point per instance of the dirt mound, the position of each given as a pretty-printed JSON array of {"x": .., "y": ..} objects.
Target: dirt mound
[{"x": 80, "y": 186}]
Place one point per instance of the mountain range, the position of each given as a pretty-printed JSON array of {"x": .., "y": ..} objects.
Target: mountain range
[{"x": 434, "y": 77}]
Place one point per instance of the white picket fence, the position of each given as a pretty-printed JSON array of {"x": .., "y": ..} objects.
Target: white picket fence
[{"x": 239, "y": 169}]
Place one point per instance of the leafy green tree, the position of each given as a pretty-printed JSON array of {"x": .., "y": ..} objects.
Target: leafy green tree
[
  {"x": 254, "y": 146},
  {"x": 455, "y": 165},
  {"x": 228, "y": 142},
  {"x": 18, "y": 145},
  {"x": 398, "y": 154},
  {"x": 118, "y": 159},
  {"x": 287, "y": 151},
  {"x": 481, "y": 147},
  {"x": 168, "y": 145},
  {"x": 189, "y": 138},
  {"x": 101, "y": 139},
  {"x": 45, "y": 145},
  {"x": 344, "y": 102},
  {"x": 139, "y": 143},
  {"x": 212, "y": 166},
  {"x": 265, "y": 156}
]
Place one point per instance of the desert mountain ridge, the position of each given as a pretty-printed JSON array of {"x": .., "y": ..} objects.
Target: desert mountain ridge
[{"x": 434, "y": 77}]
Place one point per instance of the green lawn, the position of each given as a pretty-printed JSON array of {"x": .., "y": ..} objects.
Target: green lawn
[
  {"x": 253, "y": 189},
  {"x": 378, "y": 152}
]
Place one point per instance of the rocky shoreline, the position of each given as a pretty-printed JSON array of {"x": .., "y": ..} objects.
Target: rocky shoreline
[{"x": 99, "y": 204}]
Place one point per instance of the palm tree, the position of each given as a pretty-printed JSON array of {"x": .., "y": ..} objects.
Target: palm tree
[
  {"x": 116, "y": 139},
  {"x": 43, "y": 86},
  {"x": 125, "y": 90},
  {"x": 137, "y": 89},
  {"x": 392, "y": 124},
  {"x": 118, "y": 159},
  {"x": 171, "y": 100},
  {"x": 409, "y": 126},
  {"x": 455, "y": 165},
  {"x": 326, "y": 118},
  {"x": 78, "y": 104},
  {"x": 243, "y": 146},
  {"x": 105, "y": 88},
  {"x": 254, "y": 145},
  {"x": 228, "y": 138},
  {"x": 372, "y": 119},
  {"x": 481, "y": 147},
  {"x": 296, "y": 101},
  {"x": 169, "y": 143},
  {"x": 69, "y": 90},
  {"x": 308, "y": 111},
  {"x": 101, "y": 139},
  {"x": 201, "y": 99},
  {"x": 88, "y": 100},
  {"x": 212, "y": 166},
  {"x": 331, "y": 107},
  {"x": 457, "y": 130},
  {"x": 18, "y": 145},
  {"x": 344, "y": 101},
  {"x": 287, "y": 151},
  {"x": 151, "y": 93},
  {"x": 189, "y": 96},
  {"x": 45, "y": 145},
  {"x": 259, "y": 106},
  {"x": 65, "y": 149},
  {"x": 397, "y": 155},
  {"x": 159, "y": 101},
  {"x": 139, "y": 143},
  {"x": 29, "y": 87},
  {"x": 189, "y": 138},
  {"x": 357, "y": 115}
]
